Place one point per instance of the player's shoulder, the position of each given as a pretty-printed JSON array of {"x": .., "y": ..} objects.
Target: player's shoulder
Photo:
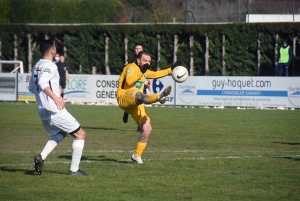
[
  {"x": 48, "y": 65},
  {"x": 131, "y": 65}
]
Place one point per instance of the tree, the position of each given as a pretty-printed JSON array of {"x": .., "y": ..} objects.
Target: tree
[{"x": 4, "y": 11}]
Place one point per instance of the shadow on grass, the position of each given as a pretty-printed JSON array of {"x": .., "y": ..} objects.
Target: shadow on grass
[
  {"x": 27, "y": 172},
  {"x": 289, "y": 158},
  {"x": 100, "y": 128},
  {"x": 98, "y": 159},
  {"x": 108, "y": 129},
  {"x": 288, "y": 143}
]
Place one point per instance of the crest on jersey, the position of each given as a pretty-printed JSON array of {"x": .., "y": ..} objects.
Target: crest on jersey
[
  {"x": 130, "y": 71},
  {"x": 47, "y": 70}
]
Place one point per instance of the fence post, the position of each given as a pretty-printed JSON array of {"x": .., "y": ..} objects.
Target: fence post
[
  {"x": 206, "y": 55},
  {"x": 158, "y": 52},
  {"x": 276, "y": 53},
  {"x": 126, "y": 48},
  {"x": 175, "y": 48},
  {"x": 258, "y": 54},
  {"x": 191, "y": 55},
  {"x": 15, "y": 49},
  {"x": 107, "y": 70},
  {"x": 223, "y": 55}
]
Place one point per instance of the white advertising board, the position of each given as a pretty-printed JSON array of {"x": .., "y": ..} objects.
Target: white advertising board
[
  {"x": 103, "y": 88},
  {"x": 92, "y": 88},
  {"x": 196, "y": 91},
  {"x": 239, "y": 91},
  {"x": 8, "y": 86},
  {"x": 158, "y": 85},
  {"x": 23, "y": 90}
]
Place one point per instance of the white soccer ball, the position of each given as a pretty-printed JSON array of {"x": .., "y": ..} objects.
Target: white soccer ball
[{"x": 180, "y": 74}]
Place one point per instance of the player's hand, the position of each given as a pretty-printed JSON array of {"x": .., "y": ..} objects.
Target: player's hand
[
  {"x": 177, "y": 63},
  {"x": 145, "y": 68},
  {"x": 59, "y": 101},
  {"x": 68, "y": 81}
]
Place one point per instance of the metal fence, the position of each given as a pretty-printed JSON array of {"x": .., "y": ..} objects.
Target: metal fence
[{"x": 221, "y": 11}]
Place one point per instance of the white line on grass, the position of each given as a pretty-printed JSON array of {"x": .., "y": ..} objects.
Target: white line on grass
[
  {"x": 169, "y": 159},
  {"x": 162, "y": 151}
]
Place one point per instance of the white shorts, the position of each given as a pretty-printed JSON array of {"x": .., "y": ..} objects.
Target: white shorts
[{"x": 64, "y": 122}]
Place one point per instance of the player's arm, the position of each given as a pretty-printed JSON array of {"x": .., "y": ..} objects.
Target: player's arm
[
  {"x": 44, "y": 83},
  {"x": 161, "y": 73},
  {"x": 158, "y": 74},
  {"x": 122, "y": 79}
]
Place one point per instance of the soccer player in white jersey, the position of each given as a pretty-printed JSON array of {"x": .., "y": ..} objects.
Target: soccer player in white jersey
[{"x": 57, "y": 121}]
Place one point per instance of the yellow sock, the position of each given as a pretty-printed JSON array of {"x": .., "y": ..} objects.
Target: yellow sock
[
  {"x": 153, "y": 98},
  {"x": 140, "y": 147}
]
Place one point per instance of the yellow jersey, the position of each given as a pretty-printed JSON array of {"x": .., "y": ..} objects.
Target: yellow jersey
[{"x": 132, "y": 76}]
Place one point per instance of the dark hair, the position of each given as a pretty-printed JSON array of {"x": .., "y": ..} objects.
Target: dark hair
[
  {"x": 141, "y": 53},
  {"x": 139, "y": 44},
  {"x": 45, "y": 46}
]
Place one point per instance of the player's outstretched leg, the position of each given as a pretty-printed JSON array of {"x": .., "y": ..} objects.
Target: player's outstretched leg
[
  {"x": 164, "y": 94},
  {"x": 141, "y": 98},
  {"x": 38, "y": 164}
]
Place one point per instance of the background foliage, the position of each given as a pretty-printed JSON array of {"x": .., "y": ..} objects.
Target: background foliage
[{"x": 85, "y": 45}]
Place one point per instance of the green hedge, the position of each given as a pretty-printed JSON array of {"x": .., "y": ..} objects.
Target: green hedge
[{"x": 85, "y": 45}]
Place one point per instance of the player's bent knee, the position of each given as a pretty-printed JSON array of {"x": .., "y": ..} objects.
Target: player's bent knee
[{"x": 79, "y": 135}]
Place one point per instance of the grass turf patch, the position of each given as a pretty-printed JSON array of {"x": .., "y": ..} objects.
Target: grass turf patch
[{"x": 192, "y": 154}]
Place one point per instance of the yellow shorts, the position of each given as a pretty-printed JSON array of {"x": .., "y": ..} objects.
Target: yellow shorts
[{"x": 126, "y": 101}]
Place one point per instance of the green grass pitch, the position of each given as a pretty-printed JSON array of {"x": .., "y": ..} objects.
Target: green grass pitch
[{"x": 192, "y": 154}]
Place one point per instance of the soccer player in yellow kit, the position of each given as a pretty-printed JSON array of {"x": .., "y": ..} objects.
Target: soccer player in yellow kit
[{"x": 131, "y": 98}]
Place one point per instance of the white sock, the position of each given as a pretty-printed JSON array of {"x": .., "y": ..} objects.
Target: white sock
[
  {"x": 77, "y": 148},
  {"x": 51, "y": 144}
]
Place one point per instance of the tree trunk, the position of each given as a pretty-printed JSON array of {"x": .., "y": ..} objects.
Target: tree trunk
[
  {"x": 258, "y": 54},
  {"x": 276, "y": 53},
  {"x": 94, "y": 70},
  {"x": 191, "y": 55},
  {"x": 107, "y": 70},
  {"x": 294, "y": 53},
  {"x": 80, "y": 68},
  {"x": 126, "y": 49},
  {"x": 65, "y": 49},
  {"x": 29, "y": 52},
  {"x": 15, "y": 49},
  {"x": 0, "y": 56},
  {"x": 175, "y": 48},
  {"x": 206, "y": 55},
  {"x": 158, "y": 52},
  {"x": 223, "y": 56}
]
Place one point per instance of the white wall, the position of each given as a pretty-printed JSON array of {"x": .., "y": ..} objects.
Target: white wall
[{"x": 272, "y": 18}]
